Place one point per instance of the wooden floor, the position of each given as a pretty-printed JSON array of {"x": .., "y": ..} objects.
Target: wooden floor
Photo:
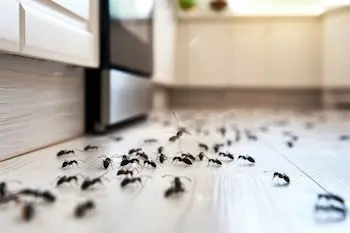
[{"x": 233, "y": 197}]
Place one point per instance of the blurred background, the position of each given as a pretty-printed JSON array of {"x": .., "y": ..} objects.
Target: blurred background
[{"x": 70, "y": 67}]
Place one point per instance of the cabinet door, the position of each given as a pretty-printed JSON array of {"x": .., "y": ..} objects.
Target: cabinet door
[
  {"x": 9, "y": 25},
  {"x": 182, "y": 54},
  {"x": 294, "y": 53},
  {"x": 55, "y": 32},
  {"x": 208, "y": 54},
  {"x": 247, "y": 63}
]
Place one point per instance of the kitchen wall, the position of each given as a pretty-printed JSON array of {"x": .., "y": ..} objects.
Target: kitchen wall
[{"x": 41, "y": 103}]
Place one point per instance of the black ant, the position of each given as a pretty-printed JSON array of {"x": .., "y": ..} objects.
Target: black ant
[
  {"x": 184, "y": 160},
  {"x": 125, "y": 162},
  {"x": 344, "y": 137},
  {"x": 214, "y": 161},
  {"x": 3, "y": 187},
  {"x": 87, "y": 183},
  {"x": 106, "y": 162},
  {"x": 247, "y": 158},
  {"x": 228, "y": 155},
  {"x": 290, "y": 144},
  {"x": 133, "y": 150},
  {"x": 126, "y": 181},
  {"x": 228, "y": 142},
  {"x": 117, "y": 139},
  {"x": 177, "y": 186},
  {"x": 9, "y": 198},
  {"x": 66, "y": 179},
  {"x": 217, "y": 147},
  {"x": 160, "y": 150},
  {"x": 153, "y": 164},
  {"x": 162, "y": 158},
  {"x": 281, "y": 176},
  {"x": 251, "y": 136},
  {"x": 64, "y": 152},
  {"x": 222, "y": 130},
  {"x": 47, "y": 196},
  {"x": 188, "y": 155},
  {"x": 150, "y": 140},
  {"x": 142, "y": 155},
  {"x": 309, "y": 125},
  {"x": 332, "y": 208},
  {"x": 330, "y": 196},
  {"x": 203, "y": 146},
  {"x": 238, "y": 135},
  {"x": 90, "y": 147},
  {"x": 201, "y": 155},
  {"x": 28, "y": 212},
  {"x": 81, "y": 209},
  {"x": 125, "y": 172},
  {"x": 70, "y": 162}
]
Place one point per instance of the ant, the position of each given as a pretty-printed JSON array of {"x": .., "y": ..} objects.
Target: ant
[
  {"x": 106, "y": 162},
  {"x": 28, "y": 212},
  {"x": 66, "y": 179},
  {"x": 184, "y": 160},
  {"x": 162, "y": 158},
  {"x": 47, "y": 196},
  {"x": 180, "y": 131},
  {"x": 201, "y": 155},
  {"x": 247, "y": 158},
  {"x": 238, "y": 135},
  {"x": 228, "y": 155},
  {"x": 81, "y": 209},
  {"x": 64, "y": 152},
  {"x": 217, "y": 147},
  {"x": 133, "y": 150},
  {"x": 90, "y": 147},
  {"x": 281, "y": 176},
  {"x": 160, "y": 150},
  {"x": 290, "y": 144},
  {"x": 125, "y": 172},
  {"x": 8, "y": 198},
  {"x": 3, "y": 187},
  {"x": 117, "y": 139},
  {"x": 228, "y": 142},
  {"x": 87, "y": 183},
  {"x": 344, "y": 137},
  {"x": 126, "y": 181},
  {"x": 251, "y": 136},
  {"x": 142, "y": 155},
  {"x": 309, "y": 125},
  {"x": 150, "y": 140},
  {"x": 153, "y": 164},
  {"x": 125, "y": 162},
  {"x": 188, "y": 155},
  {"x": 222, "y": 130},
  {"x": 330, "y": 196},
  {"x": 215, "y": 161},
  {"x": 203, "y": 146},
  {"x": 71, "y": 162},
  {"x": 177, "y": 186}
]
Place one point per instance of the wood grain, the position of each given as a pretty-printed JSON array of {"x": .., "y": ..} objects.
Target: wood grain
[{"x": 41, "y": 103}]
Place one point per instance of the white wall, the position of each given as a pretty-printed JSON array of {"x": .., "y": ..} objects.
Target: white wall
[{"x": 336, "y": 49}]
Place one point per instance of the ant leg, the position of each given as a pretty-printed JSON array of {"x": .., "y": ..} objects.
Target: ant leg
[
  {"x": 185, "y": 177},
  {"x": 167, "y": 176}
]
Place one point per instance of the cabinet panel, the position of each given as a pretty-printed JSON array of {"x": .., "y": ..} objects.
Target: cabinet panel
[
  {"x": 208, "y": 54},
  {"x": 9, "y": 25},
  {"x": 336, "y": 48},
  {"x": 182, "y": 54},
  {"x": 79, "y": 7},
  {"x": 294, "y": 53},
  {"x": 57, "y": 38},
  {"x": 247, "y": 63}
]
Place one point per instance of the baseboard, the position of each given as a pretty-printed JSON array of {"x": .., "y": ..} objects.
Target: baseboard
[
  {"x": 41, "y": 103},
  {"x": 246, "y": 98}
]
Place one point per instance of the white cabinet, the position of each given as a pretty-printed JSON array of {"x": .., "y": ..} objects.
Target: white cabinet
[
  {"x": 59, "y": 30},
  {"x": 336, "y": 49},
  {"x": 294, "y": 54},
  {"x": 208, "y": 54},
  {"x": 9, "y": 29},
  {"x": 182, "y": 55},
  {"x": 247, "y": 49}
]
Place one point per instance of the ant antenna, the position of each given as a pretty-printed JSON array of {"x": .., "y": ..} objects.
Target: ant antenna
[
  {"x": 78, "y": 150},
  {"x": 185, "y": 177},
  {"x": 177, "y": 122}
]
